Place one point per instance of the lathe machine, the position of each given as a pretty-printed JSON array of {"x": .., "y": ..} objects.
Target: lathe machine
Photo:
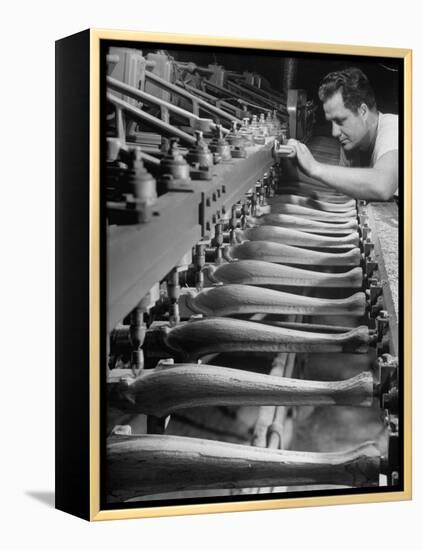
[{"x": 252, "y": 340}]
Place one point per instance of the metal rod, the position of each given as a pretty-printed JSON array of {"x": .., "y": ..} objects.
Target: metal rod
[
  {"x": 209, "y": 97},
  {"x": 140, "y": 115},
  {"x": 255, "y": 95},
  {"x": 134, "y": 93},
  {"x": 145, "y": 156},
  {"x": 178, "y": 90},
  {"x": 222, "y": 90},
  {"x": 271, "y": 95},
  {"x": 249, "y": 104}
]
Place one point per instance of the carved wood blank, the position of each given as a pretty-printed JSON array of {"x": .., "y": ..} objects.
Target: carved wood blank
[
  {"x": 258, "y": 272},
  {"x": 285, "y": 254},
  {"x": 169, "y": 388},
  {"x": 148, "y": 464},
  {"x": 284, "y": 235},
  {"x": 311, "y": 203},
  {"x": 238, "y": 299},
  {"x": 303, "y": 224},
  {"x": 197, "y": 338}
]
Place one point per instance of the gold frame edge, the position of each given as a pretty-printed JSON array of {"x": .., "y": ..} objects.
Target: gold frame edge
[
  {"x": 94, "y": 290},
  {"x": 96, "y": 514},
  {"x": 407, "y": 282}
]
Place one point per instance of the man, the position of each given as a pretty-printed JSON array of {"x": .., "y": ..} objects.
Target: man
[{"x": 369, "y": 140}]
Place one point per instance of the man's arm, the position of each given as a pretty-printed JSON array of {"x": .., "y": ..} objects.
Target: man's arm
[
  {"x": 377, "y": 183},
  {"x": 292, "y": 172}
]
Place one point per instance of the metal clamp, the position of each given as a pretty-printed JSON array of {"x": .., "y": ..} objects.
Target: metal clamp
[
  {"x": 390, "y": 462},
  {"x": 386, "y": 389}
]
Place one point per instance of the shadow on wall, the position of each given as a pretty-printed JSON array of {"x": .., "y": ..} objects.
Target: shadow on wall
[{"x": 45, "y": 497}]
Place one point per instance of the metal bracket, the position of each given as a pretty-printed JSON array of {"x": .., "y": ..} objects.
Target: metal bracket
[
  {"x": 364, "y": 231},
  {"x": 390, "y": 463},
  {"x": 368, "y": 247},
  {"x": 369, "y": 266},
  {"x": 374, "y": 289},
  {"x": 387, "y": 388}
]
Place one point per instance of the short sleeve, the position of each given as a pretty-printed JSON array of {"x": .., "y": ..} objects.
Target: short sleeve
[
  {"x": 343, "y": 160},
  {"x": 387, "y": 137}
]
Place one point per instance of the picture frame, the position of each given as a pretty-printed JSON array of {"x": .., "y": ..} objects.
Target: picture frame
[{"x": 99, "y": 284}]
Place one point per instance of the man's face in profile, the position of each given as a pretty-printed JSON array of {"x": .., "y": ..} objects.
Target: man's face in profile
[{"x": 347, "y": 126}]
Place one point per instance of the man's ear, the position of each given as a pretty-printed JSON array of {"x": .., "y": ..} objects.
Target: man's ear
[{"x": 363, "y": 110}]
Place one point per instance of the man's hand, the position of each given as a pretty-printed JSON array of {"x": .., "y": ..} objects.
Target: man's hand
[
  {"x": 375, "y": 184},
  {"x": 305, "y": 160}
]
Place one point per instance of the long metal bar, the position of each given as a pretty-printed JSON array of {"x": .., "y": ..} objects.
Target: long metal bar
[
  {"x": 184, "y": 93},
  {"x": 271, "y": 95},
  {"x": 221, "y": 90},
  {"x": 226, "y": 92},
  {"x": 135, "y": 93},
  {"x": 148, "y": 158},
  {"x": 199, "y": 68},
  {"x": 140, "y": 115},
  {"x": 197, "y": 91},
  {"x": 255, "y": 95},
  {"x": 249, "y": 104},
  {"x": 209, "y": 97},
  {"x": 223, "y": 103}
]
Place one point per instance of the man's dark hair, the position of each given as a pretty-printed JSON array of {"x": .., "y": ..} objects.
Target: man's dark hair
[{"x": 353, "y": 85}]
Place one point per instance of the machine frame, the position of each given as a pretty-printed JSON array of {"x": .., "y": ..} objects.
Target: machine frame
[{"x": 80, "y": 474}]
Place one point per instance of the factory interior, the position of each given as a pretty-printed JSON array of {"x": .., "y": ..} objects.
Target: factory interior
[{"x": 251, "y": 339}]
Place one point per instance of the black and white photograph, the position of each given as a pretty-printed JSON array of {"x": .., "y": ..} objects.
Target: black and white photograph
[
  {"x": 252, "y": 272},
  {"x": 210, "y": 275}
]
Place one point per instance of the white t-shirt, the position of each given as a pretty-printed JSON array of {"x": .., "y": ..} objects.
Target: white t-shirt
[
  {"x": 387, "y": 139},
  {"x": 387, "y": 136}
]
